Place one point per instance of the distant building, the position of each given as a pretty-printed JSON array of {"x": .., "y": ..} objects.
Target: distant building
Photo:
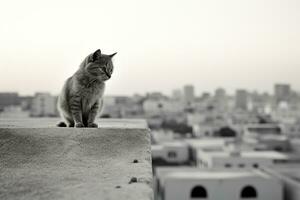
[
  {"x": 188, "y": 183},
  {"x": 258, "y": 102},
  {"x": 43, "y": 105},
  {"x": 285, "y": 113},
  {"x": 155, "y": 96},
  {"x": 204, "y": 144},
  {"x": 177, "y": 94},
  {"x": 162, "y": 136},
  {"x": 241, "y": 99},
  {"x": 121, "y": 107},
  {"x": 161, "y": 107},
  {"x": 266, "y": 137},
  {"x": 25, "y": 102},
  {"x": 282, "y": 92},
  {"x": 9, "y": 99},
  {"x": 242, "y": 118},
  {"x": 220, "y": 100},
  {"x": 175, "y": 152},
  {"x": 206, "y": 123},
  {"x": 220, "y": 93},
  {"x": 189, "y": 93},
  {"x": 12, "y": 112},
  {"x": 205, "y": 96}
]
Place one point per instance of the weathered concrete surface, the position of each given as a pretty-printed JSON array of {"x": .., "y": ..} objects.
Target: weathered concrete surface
[{"x": 69, "y": 163}]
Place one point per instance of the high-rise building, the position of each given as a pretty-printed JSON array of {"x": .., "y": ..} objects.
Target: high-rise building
[
  {"x": 282, "y": 92},
  {"x": 177, "y": 94},
  {"x": 189, "y": 93},
  {"x": 241, "y": 99},
  {"x": 220, "y": 93},
  {"x": 220, "y": 100}
]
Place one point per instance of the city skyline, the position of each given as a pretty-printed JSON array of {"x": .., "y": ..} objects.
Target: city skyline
[{"x": 181, "y": 89}]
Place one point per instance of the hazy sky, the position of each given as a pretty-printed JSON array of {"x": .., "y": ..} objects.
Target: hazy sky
[{"x": 161, "y": 44}]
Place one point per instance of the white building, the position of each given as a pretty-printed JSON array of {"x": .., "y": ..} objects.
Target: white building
[
  {"x": 170, "y": 152},
  {"x": 239, "y": 159},
  {"x": 285, "y": 113},
  {"x": 162, "y": 136},
  {"x": 189, "y": 93},
  {"x": 185, "y": 184},
  {"x": 43, "y": 104},
  {"x": 282, "y": 92},
  {"x": 241, "y": 99},
  {"x": 204, "y": 144}
]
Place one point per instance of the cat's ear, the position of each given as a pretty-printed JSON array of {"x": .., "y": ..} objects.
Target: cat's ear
[
  {"x": 96, "y": 55},
  {"x": 112, "y": 55}
]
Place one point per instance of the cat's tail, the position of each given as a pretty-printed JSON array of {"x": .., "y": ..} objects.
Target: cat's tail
[{"x": 61, "y": 124}]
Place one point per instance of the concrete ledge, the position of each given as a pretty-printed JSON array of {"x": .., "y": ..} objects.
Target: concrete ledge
[{"x": 111, "y": 162}]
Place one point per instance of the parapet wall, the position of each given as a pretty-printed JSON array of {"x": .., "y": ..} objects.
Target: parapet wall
[{"x": 110, "y": 162}]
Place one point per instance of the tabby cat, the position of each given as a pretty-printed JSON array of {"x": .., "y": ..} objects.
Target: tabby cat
[{"x": 81, "y": 98}]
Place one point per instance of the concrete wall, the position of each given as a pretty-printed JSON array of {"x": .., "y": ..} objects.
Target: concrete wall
[
  {"x": 110, "y": 162},
  {"x": 291, "y": 186}
]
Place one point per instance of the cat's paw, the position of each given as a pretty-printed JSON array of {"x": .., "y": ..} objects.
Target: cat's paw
[
  {"x": 61, "y": 124},
  {"x": 79, "y": 125},
  {"x": 93, "y": 125}
]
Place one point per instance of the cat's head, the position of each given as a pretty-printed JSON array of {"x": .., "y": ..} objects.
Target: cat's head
[{"x": 100, "y": 65}]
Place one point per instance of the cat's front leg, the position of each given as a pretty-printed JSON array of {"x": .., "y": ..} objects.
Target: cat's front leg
[
  {"x": 93, "y": 113},
  {"x": 76, "y": 111}
]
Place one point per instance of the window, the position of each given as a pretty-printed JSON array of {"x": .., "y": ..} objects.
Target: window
[
  {"x": 255, "y": 165},
  {"x": 227, "y": 165},
  {"x": 248, "y": 192},
  {"x": 277, "y": 148},
  {"x": 172, "y": 154},
  {"x": 199, "y": 192}
]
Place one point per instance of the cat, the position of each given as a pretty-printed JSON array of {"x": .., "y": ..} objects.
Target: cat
[{"x": 81, "y": 98}]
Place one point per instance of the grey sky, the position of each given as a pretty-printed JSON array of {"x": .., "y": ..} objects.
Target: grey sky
[{"x": 161, "y": 44}]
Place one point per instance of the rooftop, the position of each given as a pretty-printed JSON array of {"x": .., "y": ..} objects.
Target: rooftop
[
  {"x": 39, "y": 161},
  {"x": 217, "y": 175},
  {"x": 51, "y": 123},
  {"x": 248, "y": 154},
  {"x": 206, "y": 142},
  {"x": 208, "y": 174}
]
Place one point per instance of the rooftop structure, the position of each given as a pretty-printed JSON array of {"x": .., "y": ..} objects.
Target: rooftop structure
[{"x": 188, "y": 183}]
